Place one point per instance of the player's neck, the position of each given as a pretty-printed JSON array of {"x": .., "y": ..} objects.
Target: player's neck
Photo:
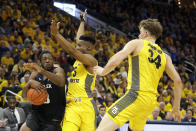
[{"x": 150, "y": 39}]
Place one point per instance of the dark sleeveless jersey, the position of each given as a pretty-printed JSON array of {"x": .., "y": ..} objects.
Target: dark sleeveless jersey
[{"x": 53, "y": 109}]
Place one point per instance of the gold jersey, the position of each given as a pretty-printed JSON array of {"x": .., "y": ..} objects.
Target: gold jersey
[
  {"x": 81, "y": 82},
  {"x": 146, "y": 68}
]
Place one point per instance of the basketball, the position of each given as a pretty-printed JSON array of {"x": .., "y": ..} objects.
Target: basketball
[{"x": 37, "y": 98}]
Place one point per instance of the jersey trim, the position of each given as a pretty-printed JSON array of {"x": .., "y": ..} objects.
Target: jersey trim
[
  {"x": 123, "y": 103},
  {"x": 135, "y": 86},
  {"x": 88, "y": 83},
  {"x": 96, "y": 111}
]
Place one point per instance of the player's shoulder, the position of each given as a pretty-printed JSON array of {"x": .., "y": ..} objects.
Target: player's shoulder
[
  {"x": 57, "y": 68},
  {"x": 136, "y": 41}
]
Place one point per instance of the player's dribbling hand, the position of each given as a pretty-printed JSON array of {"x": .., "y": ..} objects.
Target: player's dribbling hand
[
  {"x": 33, "y": 67},
  {"x": 54, "y": 28},
  {"x": 98, "y": 70},
  {"x": 176, "y": 115}
]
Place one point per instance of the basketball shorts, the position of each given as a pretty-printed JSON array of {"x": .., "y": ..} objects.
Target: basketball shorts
[
  {"x": 134, "y": 107},
  {"x": 36, "y": 123},
  {"x": 82, "y": 113}
]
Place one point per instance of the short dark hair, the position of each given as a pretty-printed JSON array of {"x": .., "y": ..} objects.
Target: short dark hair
[
  {"x": 11, "y": 97},
  {"x": 102, "y": 106},
  {"x": 88, "y": 38},
  {"x": 189, "y": 110},
  {"x": 153, "y": 26},
  {"x": 45, "y": 52}
]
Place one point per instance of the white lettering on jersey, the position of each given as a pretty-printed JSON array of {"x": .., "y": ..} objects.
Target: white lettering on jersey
[
  {"x": 48, "y": 86},
  {"x": 114, "y": 110}
]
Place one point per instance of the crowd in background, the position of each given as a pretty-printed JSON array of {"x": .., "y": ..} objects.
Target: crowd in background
[{"x": 25, "y": 32}]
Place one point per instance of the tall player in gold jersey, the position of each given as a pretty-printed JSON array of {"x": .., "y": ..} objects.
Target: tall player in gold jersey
[
  {"x": 81, "y": 108},
  {"x": 147, "y": 63}
]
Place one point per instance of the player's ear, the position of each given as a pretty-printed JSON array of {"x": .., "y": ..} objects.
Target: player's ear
[
  {"x": 146, "y": 34},
  {"x": 89, "y": 46}
]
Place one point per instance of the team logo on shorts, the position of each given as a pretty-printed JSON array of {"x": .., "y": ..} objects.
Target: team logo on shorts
[{"x": 114, "y": 110}]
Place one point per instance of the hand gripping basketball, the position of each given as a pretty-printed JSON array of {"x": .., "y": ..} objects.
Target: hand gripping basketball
[{"x": 37, "y": 93}]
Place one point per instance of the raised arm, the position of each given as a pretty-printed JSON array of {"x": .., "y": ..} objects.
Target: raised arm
[
  {"x": 173, "y": 74},
  {"x": 81, "y": 30},
  {"x": 86, "y": 59},
  {"x": 116, "y": 59}
]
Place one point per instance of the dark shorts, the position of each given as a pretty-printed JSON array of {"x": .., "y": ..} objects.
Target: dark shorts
[{"x": 37, "y": 123}]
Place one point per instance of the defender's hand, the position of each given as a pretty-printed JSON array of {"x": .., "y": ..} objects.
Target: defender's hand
[
  {"x": 54, "y": 28},
  {"x": 98, "y": 70},
  {"x": 33, "y": 67},
  {"x": 83, "y": 16}
]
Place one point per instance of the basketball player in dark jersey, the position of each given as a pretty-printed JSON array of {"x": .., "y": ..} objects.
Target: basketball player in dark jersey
[{"x": 46, "y": 117}]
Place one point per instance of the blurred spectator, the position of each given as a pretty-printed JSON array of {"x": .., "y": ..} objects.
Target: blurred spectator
[
  {"x": 3, "y": 48},
  {"x": 102, "y": 111},
  {"x": 19, "y": 68},
  {"x": 194, "y": 112},
  {"x": 189, "y": 116},
  {"x": 15, "y": 115},
  {"x": 155, "y": 115},
  {"x": 166, "y": 97},
  {"x": 94, "y": 95},
  {"x": 169, "y": 117},
  {"x": 162, "y": 113},
  {"x": 3, "y": 81},
  {"x": 8, "y": 60},
  {"x": 26, "y": 53},
  {"x": 2, "y": 120}
]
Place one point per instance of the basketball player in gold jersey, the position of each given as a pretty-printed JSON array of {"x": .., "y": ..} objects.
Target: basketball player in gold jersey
[
  {"x": 81, "y": 108},
  {"x": 147, "y": 63}
]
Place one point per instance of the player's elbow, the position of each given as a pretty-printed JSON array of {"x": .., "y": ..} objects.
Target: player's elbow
[
  {"x": 114, "y": 63},
  {"x": 62, "y": 83},
  {"x": 178, "y": 81}
]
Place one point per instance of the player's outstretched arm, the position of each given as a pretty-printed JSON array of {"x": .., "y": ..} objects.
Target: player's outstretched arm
[
  {"x": 173, "y": 74},
  {"x": 57, "y": 77},
  {"x": 86, "y": 59},
  {"x": 116, "y": 59},
  {"x": 81, "y": 30}
]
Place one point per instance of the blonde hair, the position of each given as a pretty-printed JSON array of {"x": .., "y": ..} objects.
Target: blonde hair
[{"x": 153, "y": 26}]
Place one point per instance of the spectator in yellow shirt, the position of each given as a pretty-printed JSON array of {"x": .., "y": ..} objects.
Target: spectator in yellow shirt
[
  {"x": 162, "y": 113},
  {"x": 194, "y": 112},
  {"x": 193, "y": 94},
  {"x": 166, "y": 97},
  {"x": 7, "y": 59},
  {"x": 3, "y": 81},
  {"x": 188, "y": 88},
  {"x": 155, "y": 115},
  {"x": 19, "y": 68},
  {"x": 25, "y": 79},
  {"x": 168, "y": 107},
  {"x": 26, "y": 53}
]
